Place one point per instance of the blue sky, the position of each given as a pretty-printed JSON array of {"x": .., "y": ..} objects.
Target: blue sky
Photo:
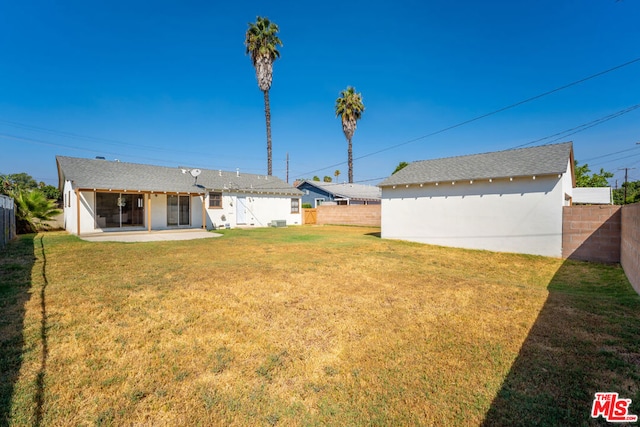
[{"x": 168, "y": 83}]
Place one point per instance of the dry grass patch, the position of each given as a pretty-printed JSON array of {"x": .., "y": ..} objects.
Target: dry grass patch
[{"x": 300, "y": 326}]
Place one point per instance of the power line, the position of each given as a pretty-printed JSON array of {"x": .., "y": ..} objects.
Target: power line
[
  {"x": 93, "y": 138},
  {"x": 610, "y": 154},
  {"x": 583, "y": 126},
  {"x": 448, "y": 128},
  {"x": 500, "y": 110}
]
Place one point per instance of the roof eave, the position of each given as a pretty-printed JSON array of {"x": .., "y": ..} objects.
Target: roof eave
[{"x": 382, "y": 185}]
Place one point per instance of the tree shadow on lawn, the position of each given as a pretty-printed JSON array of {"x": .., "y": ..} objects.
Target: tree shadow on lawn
[
  {"x": 586, "y": 339},
  {"x": 17, "y": 262}
]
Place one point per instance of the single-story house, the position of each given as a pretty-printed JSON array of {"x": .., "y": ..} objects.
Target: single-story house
[
  {"x": 506, "y": 201},
  {"x": 102, "y": 195},
  {"x": 316, "y": 193}
]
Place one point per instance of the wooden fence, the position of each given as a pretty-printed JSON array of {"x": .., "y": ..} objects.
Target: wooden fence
[
  {"x": 367, "y": 215},
  {"x": 7, "y": 220}
]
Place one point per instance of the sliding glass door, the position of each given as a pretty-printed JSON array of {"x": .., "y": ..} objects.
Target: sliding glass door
[
  {"x": 178, "y": 212},
  {"x": 116, "y": 210}
]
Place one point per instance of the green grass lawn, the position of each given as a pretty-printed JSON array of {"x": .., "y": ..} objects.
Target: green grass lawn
[{"x": 307, "y": 326}]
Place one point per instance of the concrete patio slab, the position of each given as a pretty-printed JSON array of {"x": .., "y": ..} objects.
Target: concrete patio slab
[{"x": 146, "y": 236}]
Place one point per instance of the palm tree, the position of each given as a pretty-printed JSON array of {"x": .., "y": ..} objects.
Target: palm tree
[
  {"x": 349, "y": 107},
  {"x": 262, "y": 44},
  {"x": 32, "y": 209},
  {"x": 337, "y": 174}
]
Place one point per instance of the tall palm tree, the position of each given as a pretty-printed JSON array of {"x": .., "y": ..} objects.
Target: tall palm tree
[
  {"x": 262, "y": 44},
  {"x": 349, "y": 107}
]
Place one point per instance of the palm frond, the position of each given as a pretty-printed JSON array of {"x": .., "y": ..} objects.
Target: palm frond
[
  {"x": 261, "y": 40},
  {"x": 349, "y": 105}
]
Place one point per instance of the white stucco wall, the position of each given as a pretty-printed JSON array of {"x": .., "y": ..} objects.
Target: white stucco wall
[
  {"x": 523, "y": 215},
  {"x": 260, "y": 210},
  {"x": 69, "y": 210},
  {"x": 567, "y": 185},
  {"x": 158, "y": 211}
]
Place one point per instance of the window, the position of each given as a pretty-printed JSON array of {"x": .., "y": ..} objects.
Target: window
[
  {"x": 215, "y": 200},
  {"x": 318, "y": 202},
  {"x": 295, "y": 206}
]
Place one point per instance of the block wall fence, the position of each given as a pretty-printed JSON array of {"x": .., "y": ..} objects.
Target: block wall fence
[
  {"x": 606, "y": 234},
  {"x": 591, "y": 233}
]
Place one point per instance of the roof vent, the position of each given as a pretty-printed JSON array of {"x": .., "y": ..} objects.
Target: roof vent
[{"x": 237, "y": 171}]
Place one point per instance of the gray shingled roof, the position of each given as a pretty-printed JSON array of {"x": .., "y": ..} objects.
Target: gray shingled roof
[
  {"x": 542, "y": 160},
  {"x": 105, "y": 174},
  {"x": 349, "y": 191}
]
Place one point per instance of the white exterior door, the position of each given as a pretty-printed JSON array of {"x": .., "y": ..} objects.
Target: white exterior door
[{"x": 241, "y": 210}]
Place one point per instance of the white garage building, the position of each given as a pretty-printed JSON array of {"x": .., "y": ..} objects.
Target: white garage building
[{"x": 506, "y": 201}]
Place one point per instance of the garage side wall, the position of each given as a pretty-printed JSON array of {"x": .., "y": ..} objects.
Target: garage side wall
[{"x": 522, "y": 215}]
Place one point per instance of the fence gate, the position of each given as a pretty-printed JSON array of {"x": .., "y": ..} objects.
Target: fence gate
[{"x": 310, "y": 216}]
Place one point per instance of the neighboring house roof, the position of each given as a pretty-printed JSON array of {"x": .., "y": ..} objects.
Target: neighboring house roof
[
  {"x": 346, "y": 190},
  {"x": 540, "y": 160},
  {"x": 105, "y": 174}
]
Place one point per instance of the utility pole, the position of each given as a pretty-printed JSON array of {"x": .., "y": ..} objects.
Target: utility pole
[
  {"x": 626, "y": 175},
  {"x": 287, "y": 168}
]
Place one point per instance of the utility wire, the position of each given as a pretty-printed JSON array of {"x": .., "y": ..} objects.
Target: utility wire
[
  {"x": 582, "y": 127},
  {"x": 95, "y": 139},
  {"x": 533, "y": 98},
  {"x": 500, "y": 110},
  {"x": 172, "y": 162},
  {"x": 610, "y": 154}
]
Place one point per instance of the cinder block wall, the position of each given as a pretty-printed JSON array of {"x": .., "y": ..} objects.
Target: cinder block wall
[
  {"x": 630, "y": 244},
  {"x": 368, "y": 215},
  {"x": 591, "y": 233}
]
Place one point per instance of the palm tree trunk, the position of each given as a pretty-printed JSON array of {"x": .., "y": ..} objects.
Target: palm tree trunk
[
  {"x": 267, "y": 114},
  {"x": 350, "y": 162}
]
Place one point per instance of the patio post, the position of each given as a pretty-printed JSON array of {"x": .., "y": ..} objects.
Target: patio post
[{"x": 149, "y": 213}]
